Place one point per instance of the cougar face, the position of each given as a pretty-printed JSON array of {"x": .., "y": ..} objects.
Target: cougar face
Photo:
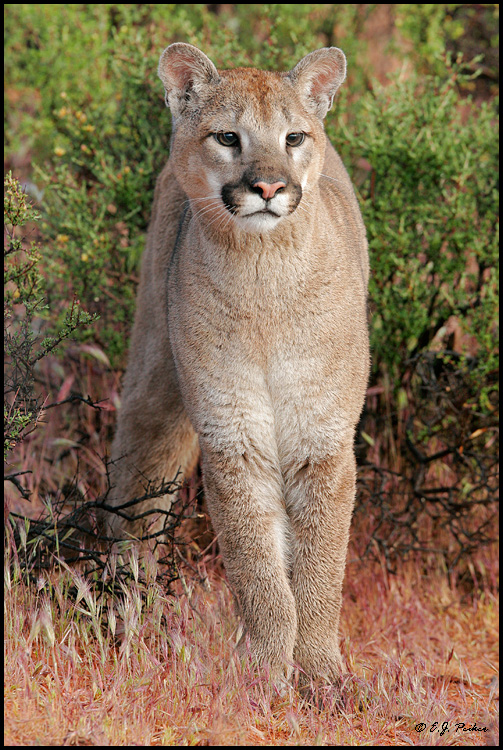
[{"x": 256, "y": 154}]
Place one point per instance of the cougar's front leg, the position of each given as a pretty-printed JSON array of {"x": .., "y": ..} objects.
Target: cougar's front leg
[
  {"x": 320, "y": 504},
  {"x": 248, "y": 514}
]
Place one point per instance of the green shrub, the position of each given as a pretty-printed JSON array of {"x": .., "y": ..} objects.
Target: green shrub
[
  {"x": 430, "y": 204},
  {"x": 436, "y": 29},
  {"x": 23, "y": 304}
]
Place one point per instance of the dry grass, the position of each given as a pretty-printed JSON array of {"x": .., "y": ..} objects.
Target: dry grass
[
  {"x": 148, "y": 669},
  {"x": 156, "y": 670}
]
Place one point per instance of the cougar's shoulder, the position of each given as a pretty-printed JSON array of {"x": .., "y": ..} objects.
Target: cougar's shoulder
[
  {"x": 168, "y": 207},
  {"x": 341, "y": 207}
]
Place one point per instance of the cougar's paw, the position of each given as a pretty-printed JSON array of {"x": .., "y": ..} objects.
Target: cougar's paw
[
  {"x": 272, "y": 662},
  {"x": 346, "y": 693}
]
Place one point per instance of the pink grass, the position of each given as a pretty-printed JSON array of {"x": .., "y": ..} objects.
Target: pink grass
[
  {"x": 146, "y": 669},
  {"x": 416, "y": 651}
]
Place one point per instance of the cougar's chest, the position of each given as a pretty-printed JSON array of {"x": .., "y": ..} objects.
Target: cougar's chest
[{"x": 256, "y": 375}]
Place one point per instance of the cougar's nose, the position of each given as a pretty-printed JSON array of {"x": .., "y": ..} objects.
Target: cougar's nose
[{"x": 267, "y": 189}]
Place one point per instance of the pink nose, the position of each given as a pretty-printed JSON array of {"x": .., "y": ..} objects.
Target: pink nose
[{"x": 268, "y": 190}]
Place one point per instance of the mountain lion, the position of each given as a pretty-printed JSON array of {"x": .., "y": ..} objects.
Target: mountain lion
[{"x": 250, "y": 345}]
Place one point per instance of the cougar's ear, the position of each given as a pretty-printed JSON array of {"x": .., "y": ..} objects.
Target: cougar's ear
[
  {"x": 184, "y": 71},
  {"x": 318, "y": 76}
]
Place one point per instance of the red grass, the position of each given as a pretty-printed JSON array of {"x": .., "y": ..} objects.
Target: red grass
[
  {"x": 417, "y": 652},
  {"x": 419, "y": 646}
]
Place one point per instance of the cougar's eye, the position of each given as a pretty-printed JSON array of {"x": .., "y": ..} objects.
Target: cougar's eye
[
  {"x": 227, "y": 139},
  {"x": 295, "y": 139}
]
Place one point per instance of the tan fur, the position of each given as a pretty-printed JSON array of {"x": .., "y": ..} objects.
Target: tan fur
[{"x": 250, "y": 343}]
